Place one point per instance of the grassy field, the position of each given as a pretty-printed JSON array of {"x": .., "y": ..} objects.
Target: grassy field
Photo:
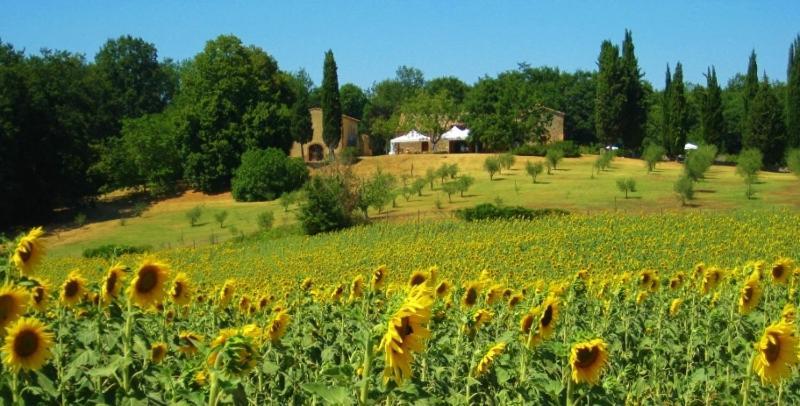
[{"x": 572, "y": 187}]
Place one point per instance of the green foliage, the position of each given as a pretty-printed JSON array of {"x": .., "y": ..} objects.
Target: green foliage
[
  {"x": 506, "y": 160},
  {"x": 353, "y": 100},
  {"x": 676, "y": 114},
  {"x": 220, "y": 218},
  {"x": 266, "y": 174},
  {"x": 463, "y": 183},
  {"x": 80, "y": 220},
  {"x": 534, "y": 169},
  {"x": 793, "y": 161},
  {"x": 331, "y": 104},
  {"x": 748, "y": 163},
  {"x": 610, "y": 96},
  {"x": 376, "y": 192},
  {"x": 633, "y": 112},
  {"x": 430, "y": 114},
  {"x": 194, "y": 214},
  {"x": 489, "y": 211},
  {"x": 652, "y": 155},
  {"x": 289, "y": 198},
  {"x": 349, "y": 155},
  {"x": 418, "y": 185},
  {"x": 450, "y": 188},
  {"x": 265, "y": 220},
  {"x": 712, "y": 120},
  {"x": 793, "y": 95},
  {"x": 553, "y": 158},
  {"x": 112, "y": 251},
  {"x": 698, "y": 161},
  {"x": 766, "y": 130},
  {"x": 492, "y": 166},
  {"x": 569, "y": 148},
  {"x": 626, "y": 185},
  {"x": 328, "y": 205},
  {"x": 684, "y": 188}
]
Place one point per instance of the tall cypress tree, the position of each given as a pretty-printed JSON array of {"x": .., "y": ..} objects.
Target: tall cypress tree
[
  {"x": 793, "y": 95},
  {"x": 768, "y": 133},
  {"x": 666, "y": 117},
  {"x": 302, "y": 131},
  {"x": 331, "y": 106},
  {"x": 750, "y": 90},
  {"x": 678, "y": 123},
  {"x": 609, "y": 97},
  {"x": 634, "y": 113},
  {"x": 711, "y": 118}
]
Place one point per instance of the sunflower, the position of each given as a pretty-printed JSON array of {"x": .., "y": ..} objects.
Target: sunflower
[
  {"x": 583, "y": 274},
  {"x": 378, "y": 277},
  {"x": 406, "y": 333},
  {"x": 336, "y": 293},
  {"x": 237, "y": 349},
  {"x": 479, "y": 318},
  {"x": 13, "y": 302},
  {"x": 227, "y": 290},
  {"x": 73, "y": 288},
  {"x": 675, "y": 283},
  {"x": 181, "y": 290},
  {"x": 471, "y": 294},
  {"x": 525, "y": 326},
  {"x": 442, "y": 289},
  {"x": 29, "y": 251},
  {"x": 488, "y": 359},
  {"x": 750, "y": 294},
  {"x": 711, "y": 278},
  {"x": 112, "y": 283},
  {"x": 147, "y": 287},
  {"x": 27, "y": 345},
  {"x": 776, "y": 353},
  {"x": 244, "y": 304},
  {"x": 277, "y": 327},
  {"x": 781, "y": 271},
  {"x": 587, "y": 360},
  {"x": 494, "y": 293},
  {"x": 641, "y": 297},
  {"x": 698, "y": 270},
  {"x": 417, "y": 278},
  {"x": 646, "y": 278},
  {"x": 675, "y": 306},
  {"x": 356, "y": 288},
  {"x": 789, "y": 313},
  {"x": 548, "y": 317},
  {"x": 201, "y": 378},
  {"x": 307, "y": 284},
  {"x": 40, "y": 296},
  {"x": 514, "y": 300},
  {"x": 158, "y": 351}
]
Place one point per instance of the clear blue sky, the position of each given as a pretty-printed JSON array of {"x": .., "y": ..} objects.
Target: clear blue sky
[{"x": 467, "y": 39}]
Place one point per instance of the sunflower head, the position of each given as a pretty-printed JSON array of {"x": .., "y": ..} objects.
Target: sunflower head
[
  {"x": 112, "y": 283},
  {"x": 336, "y": 292},
  {"x": 548, "y": 315},
  {"x": 675, "y": 306},
  {"x": 486, "y": 362},
  {"x": 277, "y": 327},
  {"x": 494, "y": 293},
  {"x": 13, "y": 302},
  {"x": 27, "y": 345},
  {"x": 641, "y": 296},
  {"x": 147, "y": 287},
  {"x": 181, "y": 292},
  {"x": 711, "y": 278},
  {"x": 417, "y": 278},
  {"x": 471, "y": 293},
  {"x": 188, "y": 341},
  {"x": 588, "y": 359},
  {"x": 226, "y": 292},
  {"x": 442, "y": 289},
  {"x": 776, "y": 353},
  {"x": 406, "y": 334},
  {"x": 40, "y": 296},
  {"x": 73, "y": 289},
  {"x": 356, "y": 288},
  {"x": 234, "y": 351},
  {"x": 750, "y": 294},
  {"x": 514, "y": 300},
  {"x": 29, "y": 251},
  {"x": 789, "y": 313},
  {"x": 378, "y": 277},
  {"x": 158, "y": 351},
  {"x": 781, "y": 271}
]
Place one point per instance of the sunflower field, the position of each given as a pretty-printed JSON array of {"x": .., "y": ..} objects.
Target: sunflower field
[{"x": 604, "y": 309}]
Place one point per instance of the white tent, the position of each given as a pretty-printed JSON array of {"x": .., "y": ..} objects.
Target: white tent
[
  {"x": 689, "y": 146},
  {"x": 411, "y": 136},
  {"x": 456, "y": 134}
]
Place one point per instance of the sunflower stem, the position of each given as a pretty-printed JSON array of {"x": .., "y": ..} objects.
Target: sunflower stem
[
  {"x": 365, "y": 369},
  {"x": 15, "y": 389},
  {"x": 569, "y": 391},
  {"x": 126, "y": 348}
]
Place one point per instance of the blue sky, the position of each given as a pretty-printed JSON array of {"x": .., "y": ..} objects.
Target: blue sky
[{"x": 467, "y": 39}]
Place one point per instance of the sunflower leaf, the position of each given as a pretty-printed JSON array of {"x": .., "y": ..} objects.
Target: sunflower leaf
[{"x": 335, "y": 395}]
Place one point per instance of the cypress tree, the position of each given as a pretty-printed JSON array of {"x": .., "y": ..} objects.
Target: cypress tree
[
  {"x": 634, "y": 113},
  {"x": 666, "y": 118},
  {"x": 678, "y": 114},
  {"x": 609, "y": 97},
  {"x": 302, "y": 131},
  {"x": 768, "y": 133},
  {"x": 331, "y": 105},
  {"x": 711, "y": 117},
  {"x": 750, "y": 90},
  {"x": 793, "y": 95}
]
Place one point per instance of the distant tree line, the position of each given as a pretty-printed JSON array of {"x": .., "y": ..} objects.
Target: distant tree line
[{"x": 72, "y": 128}]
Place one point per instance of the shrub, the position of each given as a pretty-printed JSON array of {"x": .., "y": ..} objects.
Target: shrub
[
  {"x": 553, "y": 157},
  {"x": 220, "y": 217},
  {"x": 265, "y": 220},
  {"x": 266, "y": 174},
  {"x": 463, "y": 183},
  {"x": 328, "y": 205},
  {"x": 530, "y": 150},
  {"x": 489, "y": 211},
  {"x": 506, "y": 160},
  {"x": 110, "y": 251},
  {"x": 450, "y": 188},
  {"x": 626, "y": 185},
  {"x": 349, "y": 155},
  {"x": 492, "y": 166},
  {"x": 568, "y": 148},
  {"x": 534, "y": 169},
  {"x": 418, "y": 185},
  {"x": 684, "y": 187},
  {"x": 452, "y": 171},
  {"x": 80, "y": 219},
  {"x": 698, "y": 161},
  {"x": 194, "y": 214},
  {"x": 793, "y": 161},
  {"x": 748, "y": 164},
  {"x": 652, "y": 155}
]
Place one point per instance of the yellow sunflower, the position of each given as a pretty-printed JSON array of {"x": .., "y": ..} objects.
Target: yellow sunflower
[
  {"x": 73, "y": 288},
  {"x": 356, "y": 288},
  {"x": 27, "y": 345},
  {"x": 336, "y": 293},
  {"x": 307, "y": 284},
  {"x": 525, "y": 326},
  {"x": 442, "y": 289},
  {"x": 181, "y": 290},
  {"x": 494, "y": 293},
  {"x": 40, "y": 296},
  {"x": 471, "y": 292},
  {"x": 548, "y": 316},
  {"x": 488, "y": 359},
  {"x": 244, "y": 304},
  {"x": 479, "y": 318},
  {"x": 158, "y": 351},
  {"x": 641, "y": 297},
  {"x": 112, "y": 283},
  {"x": 406, "y": 334},
  {"x": 378, "y": 277},
  {"x": 13, "y": 303},
  {"x": 29, "y": 251},
  {"x": 750, "y": 294},
  {"x": 711, "y": 278},
  {"x": 239, "y": 348},
  {"x": 675, "y": 306},
  {"x": 781, "y": 271},
  {"x": 588, "y": 359},
  {"x": 789, "y": 313},
  {"x": 776, "y": 353},
  {"x": 417, "y": 278},
  {"x": 514, "y": 300},
  {"x": 277, "y": 327},
  {"x": 147, "y": 287},
  {"x": 188, "y": 341},
  {"x": 227, "y": 290}
]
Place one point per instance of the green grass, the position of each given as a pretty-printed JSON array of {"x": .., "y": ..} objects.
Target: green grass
[{"x": 571, "y": 187}]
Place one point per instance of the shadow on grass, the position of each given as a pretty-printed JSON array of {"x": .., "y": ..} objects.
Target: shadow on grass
[{"x": 705, "y": 191}]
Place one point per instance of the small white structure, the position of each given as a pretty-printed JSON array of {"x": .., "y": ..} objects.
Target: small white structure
[
  {"x": 456, "y": 134},
  {"x": 411, "y": 142},
  {"x": 689, "y": 146}
]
